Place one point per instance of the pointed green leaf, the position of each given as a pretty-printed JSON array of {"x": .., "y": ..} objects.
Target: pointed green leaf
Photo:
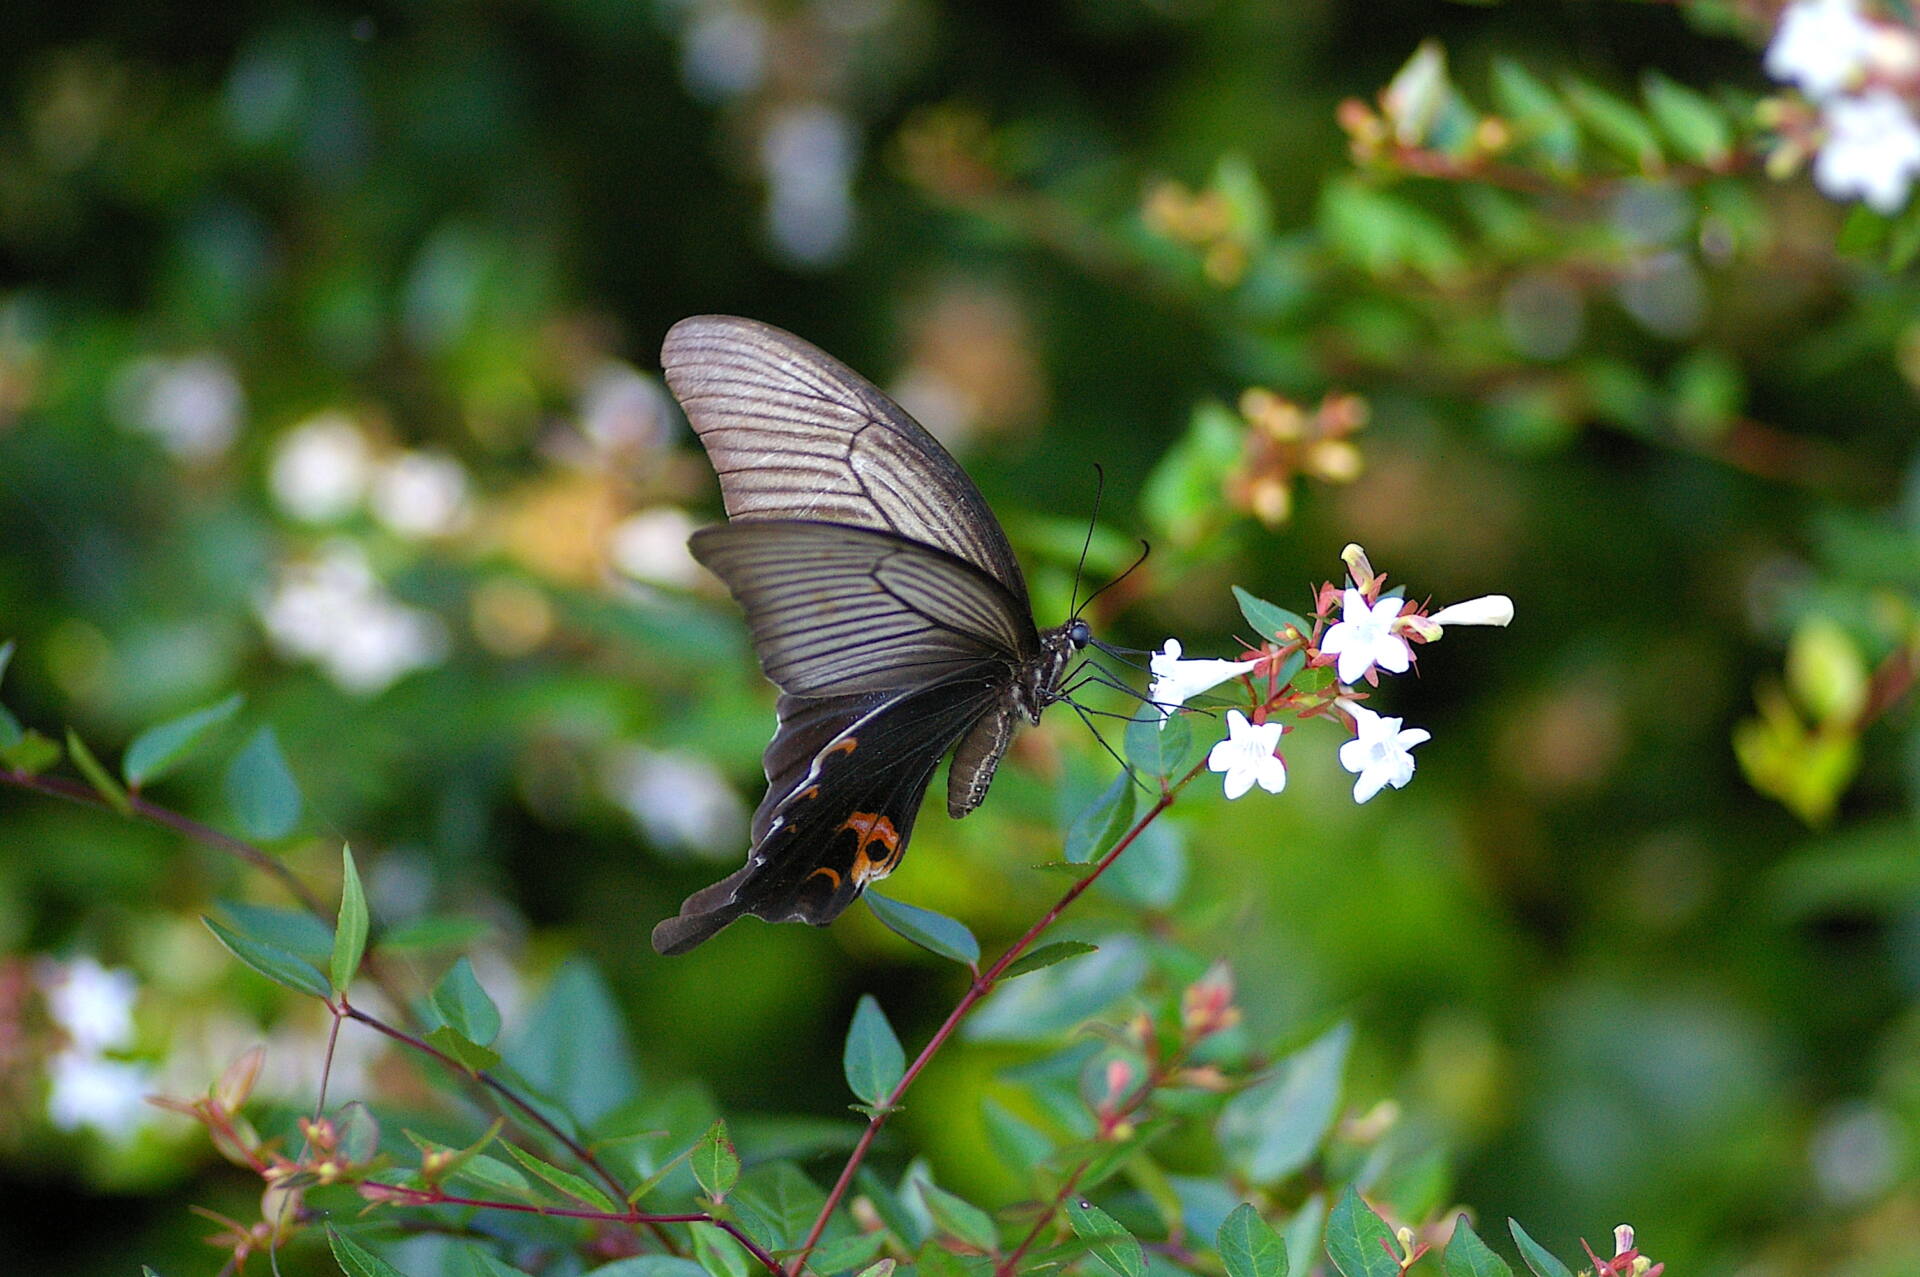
[
  {"x": 566, "y": 1181},
  {"x": 1273, "y": 1128},
  {"x": 102, "y": 781},
  {"x": 1617, "y": 125},
  {"x": 650, "y": 1266},
  {"x": 424, "y": 934},
  {"x": 574, "y": 1048},
  {"x": 934, "y": 932},
  {"x": 1270, "y": 622},
  {"x": 30, "y": 754},
  {"x": 493, "y": 1176},
  {"x": 350, "y": 933},
  {"x": 261, "y": 789},
  {"x": 722, "y": 1256},
  {"x": 1021, "y": 1146},
  {"x": 10, "y": 731},
  {"x": 464, "y": 1005},
  {"x": 1046, "y": 955},
  {"x": 1468, "y": 1256},
  {"x": 959, "y": 1218},
  {"x": 1104, "y": 820},
  {"x": 464, "y": 1051},
  {"x": 295, "y": 930},
  {"x": 1157, "y": 746},
  {"x": 485, "y": 1265},
  {"x": 1692, "y": 121},
  {"x": 1106, "y": 1240},
  {"x": 715, "y": 1165},
  {"x": 874, "y": 1059},
  {"x": 161, "y": 748},
  {"x": 1535, "y": 112},
  {"x": 1537, "y": 1257},
  {"x": 356, "y": 1260},
  {"x": 271, "y": 961},
  {"x": 1249, "y": 1246},
  {"x": 1354, "y": 1240}
]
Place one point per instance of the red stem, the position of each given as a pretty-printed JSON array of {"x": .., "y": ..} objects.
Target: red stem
[{"x": 981, "y": 986}]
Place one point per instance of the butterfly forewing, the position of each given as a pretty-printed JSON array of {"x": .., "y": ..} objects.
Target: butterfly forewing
[
  {"x": 796, "y": 434},
  {"x": 837, "y": 610}
]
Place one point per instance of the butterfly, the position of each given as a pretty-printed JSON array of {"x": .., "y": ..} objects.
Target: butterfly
[{"x": 883, "y": 601}]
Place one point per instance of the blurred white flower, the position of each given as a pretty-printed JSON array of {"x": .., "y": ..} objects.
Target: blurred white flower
[
  {"x": 623, "y": 410},
  {"x": 330, "y": 610},
  {"x": 1872, "y": 151},
  {"x": 193, "y": 406},
  {"x": 1247, "y": 756},
  {"x": 1380, "y": 751},
  {"x": 92, "y": 1004},
  {"x": 679, "y": 800},
  {"x": 652, "y": 546},
  {"x": 320, "y": 468},
  {"x": 807, "y": 155},
  {"x": 1820, "y": 45},
  {"x": 1364, "y": 637},
  {"x": 725, "y": 51},
  {"x": 421, "y": 494},
  {"x": 1176, "y": 680},
  {"x": 87, "y": 1090},
  {"x": 1488, "y": 609}
]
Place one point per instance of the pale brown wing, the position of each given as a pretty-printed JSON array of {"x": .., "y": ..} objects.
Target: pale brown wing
[{"x": 795, "y": 434}]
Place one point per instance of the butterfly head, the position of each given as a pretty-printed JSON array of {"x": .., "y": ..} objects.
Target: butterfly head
[{"x": 1041, "y": 685}]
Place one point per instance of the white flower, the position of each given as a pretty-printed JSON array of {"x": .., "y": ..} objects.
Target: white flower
[
  {"x": 1175, "y": 681},
  {"x": 1364, "y": 637},
  {"x": 421, "y": 494},
  {"x": 680, "y": 801},
  {"x": 319, "y": 469},
  {"x": 1247, "y": 756},
  {"x": 91, "y": 1091},
  {"x": 1820, "y": 45},
  {"x": 1379, "y": 751},
  {"x": 623, "y": 410},
  {"x": 193, "y": 406},
  {"x": 1488, "y": 609},
  {"x": 92, "y": 1004},
  {"x": 1872, "y": 150},
  {"x": 332, "y": 610},
  {"x": 652, "y": 546}
]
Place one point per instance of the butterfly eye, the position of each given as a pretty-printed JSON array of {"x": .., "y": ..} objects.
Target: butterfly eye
[{"x": 1080, "y": 633}]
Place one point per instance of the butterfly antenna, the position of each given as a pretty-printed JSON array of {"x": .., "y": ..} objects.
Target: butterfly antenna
[
  {"x": 1099, "y": 490},
  {"x": 1145, "y": 550}
]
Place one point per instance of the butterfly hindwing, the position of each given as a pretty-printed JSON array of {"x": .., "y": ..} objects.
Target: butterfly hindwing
[
  {"x": 836, "y": 610},
  {"x": 827, "y": 830},
  {"x": 796, "y": 434}
]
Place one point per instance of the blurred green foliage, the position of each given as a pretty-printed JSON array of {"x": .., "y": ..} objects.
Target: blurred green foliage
[{"x": 326, "y": 380}]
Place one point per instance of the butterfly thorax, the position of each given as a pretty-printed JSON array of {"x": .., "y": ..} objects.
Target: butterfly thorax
[{"x": 1039, "y": 684}]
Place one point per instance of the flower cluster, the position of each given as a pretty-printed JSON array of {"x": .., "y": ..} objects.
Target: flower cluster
[
  {"x": 1862, "y": 75},
  {"x": 1376, "y": 631},
  {"x": 92, "y": 1007}
]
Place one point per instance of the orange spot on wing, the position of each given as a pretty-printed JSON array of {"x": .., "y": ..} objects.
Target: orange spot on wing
[
  {"x": 870, "y": 828},
  {"x": 849, "y": 745}
]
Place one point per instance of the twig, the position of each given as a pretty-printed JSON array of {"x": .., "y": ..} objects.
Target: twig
[{"x": 981, "y": 986}]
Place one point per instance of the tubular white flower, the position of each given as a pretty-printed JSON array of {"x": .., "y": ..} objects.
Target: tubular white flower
[
  {"x": 1820, "y": 45},
  {"x": 1380, "y": 752},
  {"x": 1175, "y": 680},
  {"x": 1488, "y": 609},
  {"x": 1364, "y": 638},
  {"x": 1872, "y": 151},
  {"x": 1247, "y": 756}
]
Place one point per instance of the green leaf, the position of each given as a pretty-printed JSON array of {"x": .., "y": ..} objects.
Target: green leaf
[
  {"x": 566, "y": 1181},
  {"x": 464, "y": 1005},
  {"x": 356, "y": 1260},
  {"x": 1536, "y": 1256},
  {"x": 10, "y": 731},
  {"x": 715, "y": 1165},
  {"x": 1617, "y": 125},
  {"x": 484, "y": 1264},
  {"x": 31, "y": 753},
  {"x": 1249, "y": 1246},
  {"x": 161, "y": 748},
  {"x": 1046, "y": 955},
  {"x": 1354, "y": 1239},
  {"x": 1536, "y": 114},
  {"x": 1468, "y": 1256},
  {"x": 295, "y": 930},
  {"x": 1181, "y": 498},
  {"x": 103, "y": 782},
  {"x": 934, "y": 932},
  {"x": 1269, "y": 621},
  {"x": 649, "y": 1266},
  {"x": 1020, "y": 1145},
  {"x": 6, "y": 658},
  {"x": 1273, "y": 1128},
  {"x": 271, "y": 961},
  {"x": 1697, "y": 127},
  {"x": 1056, "y": 999},
  {"x": 776, "y": 1203},
  {"x": 960, "y": 1219},
  {"x": 1157, "y": 746},
  {"x": 722, "y": 1256},
  {"x": 423, "y": 934},
  {"x": 1106, "y": 1240},
  {"x": 468, "y": 1054},
  {"x": 874, "y": 1059},
  {"x": 491, "y": 1175},
  {"x": 852, "y": 1254},
  {"x": 1104, "y": 820},
  {"x": 573, "y": 1047},
  {"x": 350, "y": 933},
  {"x": 261, "y": 789}
]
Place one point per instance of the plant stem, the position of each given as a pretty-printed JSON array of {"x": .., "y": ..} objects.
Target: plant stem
[{"x": 982, "y": 985}]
